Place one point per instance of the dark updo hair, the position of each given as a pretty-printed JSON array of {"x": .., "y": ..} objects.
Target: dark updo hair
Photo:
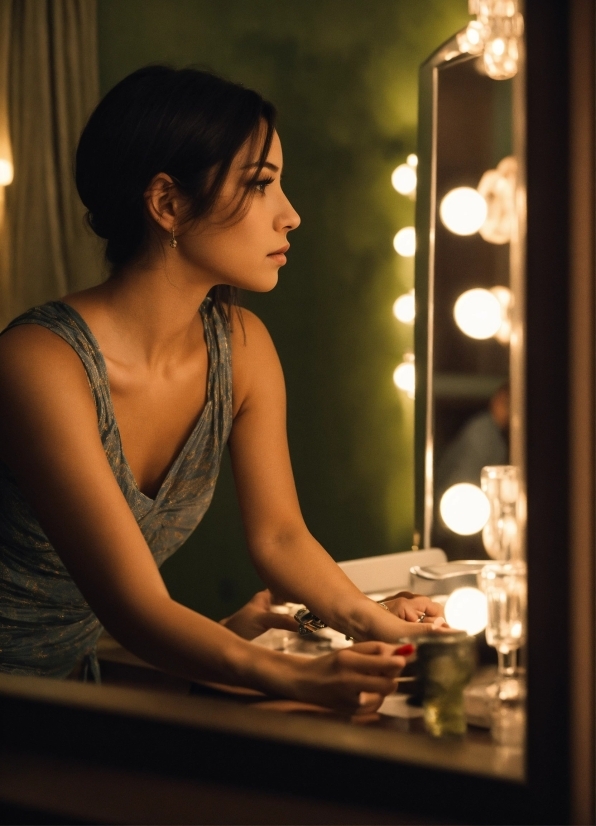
[{"x": 186, "y": 123}]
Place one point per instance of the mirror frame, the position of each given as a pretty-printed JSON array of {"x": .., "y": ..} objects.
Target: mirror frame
[
  {"x": 426, "y": 221},
  {"x": 43, "y": 719}
]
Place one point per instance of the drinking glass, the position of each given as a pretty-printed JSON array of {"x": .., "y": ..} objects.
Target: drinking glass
[
  {"x": 505, "y": 586},
  {"x": 508, "y": 713},
  {"x": 445, "y": 666},
  {"x": 500, "y": 535}
]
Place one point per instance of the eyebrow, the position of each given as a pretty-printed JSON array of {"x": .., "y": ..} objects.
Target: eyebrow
[{"x": 268, "y": 165}]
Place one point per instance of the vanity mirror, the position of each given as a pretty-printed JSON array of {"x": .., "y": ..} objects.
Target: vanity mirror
[
  {"x": 468, "y": 293},
  {"x": 78, "y": 752}
]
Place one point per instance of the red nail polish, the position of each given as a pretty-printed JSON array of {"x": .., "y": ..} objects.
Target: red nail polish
[{"x": 405, "y": 650}]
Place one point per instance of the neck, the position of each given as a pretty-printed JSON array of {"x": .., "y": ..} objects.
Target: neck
[{"x": 151, "y": 314}]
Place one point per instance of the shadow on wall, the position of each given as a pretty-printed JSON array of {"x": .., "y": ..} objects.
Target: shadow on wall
[{"x": 344, "y": 78}]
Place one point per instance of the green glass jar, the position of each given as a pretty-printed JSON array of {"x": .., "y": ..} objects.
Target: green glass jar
[{"x": 446, "y": 664}]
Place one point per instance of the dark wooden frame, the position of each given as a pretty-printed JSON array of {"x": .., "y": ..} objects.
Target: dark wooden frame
[{"x": 317, "y": 770}]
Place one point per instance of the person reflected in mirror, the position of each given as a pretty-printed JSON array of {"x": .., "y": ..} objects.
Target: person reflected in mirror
[
  {"x": 117, "y": 402},
  {"x": 482, "y": 440}
]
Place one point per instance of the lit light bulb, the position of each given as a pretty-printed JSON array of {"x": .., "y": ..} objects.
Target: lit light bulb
[
  {"x": 478, "y": 313},
  {"x": 464, "y": 508},
  {"x": 471, "y": 40},
  {"x": 404, "y": 308},
  {"x": 497, "y": 187},
  {"x": 463, "y": 210},
  {"x": 496, "y": 46},
  {"x": 403, "y": 179},
  {"x": 404, "y": 376},
  {"x": 466, "y": 610},
  {"x": 404, "y": 242},
  {"x": 6, "y": 172},
  {"x": 501, "y": 58},
  {"x": 412, "y": 160}
]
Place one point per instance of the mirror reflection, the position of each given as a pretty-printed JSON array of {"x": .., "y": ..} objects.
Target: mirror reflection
[{"x": 475, "y": 182}]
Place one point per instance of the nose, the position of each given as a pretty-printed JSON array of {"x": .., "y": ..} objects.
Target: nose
[{"x": 288, "y": 217}]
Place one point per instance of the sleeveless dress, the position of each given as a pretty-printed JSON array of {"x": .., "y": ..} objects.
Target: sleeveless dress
[{"x": 46, "y": 626}]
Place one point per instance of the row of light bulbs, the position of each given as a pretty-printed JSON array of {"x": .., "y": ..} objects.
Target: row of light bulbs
[
  {"x": 404, "y": 180},
  {"x": 479, "y": 313},
  {"x": 465, "y": 211}
]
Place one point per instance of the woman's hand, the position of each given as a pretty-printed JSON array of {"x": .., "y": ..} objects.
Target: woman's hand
[
  {"x": 256, "y": 617},
  {"x": 352, "y": 681},
  {"x": 412, "y": 607}
]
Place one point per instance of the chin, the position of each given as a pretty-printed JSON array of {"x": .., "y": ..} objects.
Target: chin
[{"x": 261, "y": 285}]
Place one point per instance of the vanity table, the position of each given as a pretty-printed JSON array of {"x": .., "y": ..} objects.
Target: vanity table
[{"x": 233, "y": 760}]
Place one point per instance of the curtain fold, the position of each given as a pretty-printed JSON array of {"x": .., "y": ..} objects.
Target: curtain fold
[
  {"x": 5, "y": 146},
  {"x": 52, "y": 88}
]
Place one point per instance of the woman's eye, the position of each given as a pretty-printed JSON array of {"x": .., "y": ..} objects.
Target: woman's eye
[{"x": 262, "y": 185}]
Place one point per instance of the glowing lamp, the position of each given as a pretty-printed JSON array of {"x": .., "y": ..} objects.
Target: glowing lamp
[
  {"x": 6, "y": 172},
  {"x": 412, "y": 160},
  {"x": 403, "y": 179},
  {"x": 404, "y": 376},
  {"x": 464, "y": 509},
  {"x": 404, "y": 308},
  {"x": 463, "y": 210},
  {"x": 471, "y": 40},
  {"x": 501, "y": 57},
  {"x": 404, "y": 242},
  {"x": 466, "y": 610},
  {"x": 478, "y": 313}
]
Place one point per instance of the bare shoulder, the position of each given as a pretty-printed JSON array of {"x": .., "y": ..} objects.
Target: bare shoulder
[
  {"x": 32, "y": 353},
  {"x": 256, "y": 368},
  {"x": 247, "y": 329},
  {"x": 250, "y": 337},
  {"x": 41, "y": 378}
]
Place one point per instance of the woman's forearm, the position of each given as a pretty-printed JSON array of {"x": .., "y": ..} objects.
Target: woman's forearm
[
  {"x": 296, "y": 565},
  {"x": 182, "y": 642}
]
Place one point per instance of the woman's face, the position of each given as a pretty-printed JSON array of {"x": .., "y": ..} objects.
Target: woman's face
[{"x": 245, "y": 252}]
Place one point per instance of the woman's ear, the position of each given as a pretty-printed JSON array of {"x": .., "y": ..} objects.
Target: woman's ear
[{"x": 163, "y": 201}]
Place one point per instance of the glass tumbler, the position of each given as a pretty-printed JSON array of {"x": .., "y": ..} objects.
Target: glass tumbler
[
  {"x": 505, "y": 586},
  {"x": 508, "y": 713},
  {"x": 445, "y": 666}
]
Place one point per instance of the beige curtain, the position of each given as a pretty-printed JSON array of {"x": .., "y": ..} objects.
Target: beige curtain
[
  {"x": 52, "y": 88},
  {"x": 5, "y": 149}
]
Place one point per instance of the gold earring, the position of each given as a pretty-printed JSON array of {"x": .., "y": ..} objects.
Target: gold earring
[{"x": 173, "y": 242}]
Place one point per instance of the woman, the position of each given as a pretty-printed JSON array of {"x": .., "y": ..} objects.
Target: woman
[{"x": 116, "y": 403}]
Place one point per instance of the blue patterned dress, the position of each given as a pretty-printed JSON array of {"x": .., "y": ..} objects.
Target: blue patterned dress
[{"x": 46, "y": 626}]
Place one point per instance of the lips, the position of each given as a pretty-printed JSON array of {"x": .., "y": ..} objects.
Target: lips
[{"x": 279, "y": 255}]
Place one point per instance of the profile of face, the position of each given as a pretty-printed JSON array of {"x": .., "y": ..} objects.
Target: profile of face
[{"x": 241, "y": 247}]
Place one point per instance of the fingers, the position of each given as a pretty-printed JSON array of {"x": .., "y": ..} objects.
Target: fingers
[
  {"x": 381, "y": 665},
  {"x": 412, "y": 614},
  {"x": 364, "y": 691},
  {"x": 430, "y": 625},
  {"x": 284, "y": 621},
  {"x": 369, "y": 702},
  {"x": 373, "y": 647},
  {"x": 433, "y": 609},
  {"x": 262, "y": 600},
  {"x": 426, "y": 606}
]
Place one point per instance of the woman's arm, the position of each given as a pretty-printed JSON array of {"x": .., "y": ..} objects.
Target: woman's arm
[
  {"x": 257, "y": 616},
  {"x": 288, "y": 558},
  {"x": 49, "y": 439}
]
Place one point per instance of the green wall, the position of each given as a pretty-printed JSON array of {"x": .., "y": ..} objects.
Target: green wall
[{"x": 343, "y": 74}]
